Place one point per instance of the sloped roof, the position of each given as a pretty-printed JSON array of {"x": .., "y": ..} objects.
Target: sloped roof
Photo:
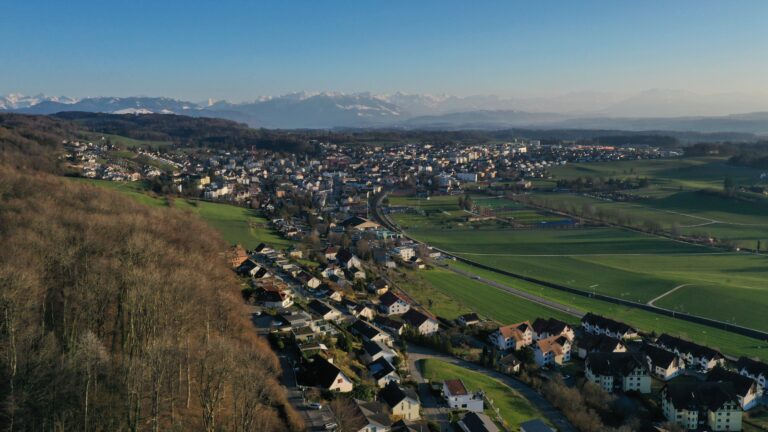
[
  {"x": 753, "y": 367},
  {"x": 741, "y": 384},
  {"x": 514, "y": 330},
  {"x": 478, "y": 422},
  {"x": 700, "y": 395},
  {"x": 684, "y": 346},
  {"x": 393, "y": 394},
  {"x": 658, "y": 356},
  {"x": 607, "y": 323},
  {"x": 456, "y": 387},
  {"x": 614, "y": 364}
]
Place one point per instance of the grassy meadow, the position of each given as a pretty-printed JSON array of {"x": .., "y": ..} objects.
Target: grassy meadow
[
  {"x": 236, "y": 224},
  {"x": 513, "y": 408}
]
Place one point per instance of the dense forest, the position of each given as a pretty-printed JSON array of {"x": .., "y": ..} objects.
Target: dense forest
[
  {"x": 116, "y": 316},
  {"x": 31, "y": 142}
]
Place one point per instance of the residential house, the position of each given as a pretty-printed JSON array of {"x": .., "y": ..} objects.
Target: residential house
[
  {"x": 598, "y": 343},
  {"x": 274, "y": 299},
  {"x": 359, "y": 224},
  {"x": 362, "y": 311},
  {"x": 373, "y": 351},
  {"x": 382, "y": 372},
  {"x": 402, "y": 402},
  {"x": 321, "y": 372},
  {"x": 378, "y": 287},
  {"x": 596, "y": 324},
  {"x": 663, "y": 364},
  {"x": 545, "y": 328},
  {"x": 388, "y": 324},
  {"x": 308, "y": 280},
  {"x": 458, "y": 397},
  {"x": 512, "y": 337},
  {"x": 324, "y": 310},
  {"x": 405, "y": 253},
  {"x": 698, "y": 405},
  {"x": 468, "y": 319},
  {"x": 237, "y": 256},
  {"x": 745, "y": 388},
  {"x": 392, "y": 303},
  {"x": 369, "y": 417},
  {"x": 330, "y": 253},
  {"x": 477, "y": 422},
  {"x": 348, "y": 260},
  {"x": 618, "y": 372},
  {"x": 367, "y": 333},
  {"x": 554, "y": 350},
  {"x": 756, "y": 370},
  {"x": 422, "y": 322},
  {"x": 695, "y": 356},
  {"x": 510, "y": 364}
]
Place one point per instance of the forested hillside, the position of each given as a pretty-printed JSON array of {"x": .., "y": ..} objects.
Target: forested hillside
[{"x": 115, "y": 316}]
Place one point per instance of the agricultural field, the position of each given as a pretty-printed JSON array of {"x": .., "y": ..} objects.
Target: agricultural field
[
  {"x": 730, "y": 343},
  {"x": 124, "y": 142},
  {"x": 612, "y": 261},
  {"x": 448, "y": 295},
  {"x": 236, "y": 224},
  {"x": 513, "y": 408},
  {"x": 682, "y": 192},
  {"x": 689, "y": 173}
]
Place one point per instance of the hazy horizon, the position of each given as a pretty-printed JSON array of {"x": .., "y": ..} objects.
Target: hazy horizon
[{"x": 238, "y": 50}]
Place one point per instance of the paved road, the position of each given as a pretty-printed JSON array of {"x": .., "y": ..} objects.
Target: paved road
[
  {"x": 416, "y": 353},
  {"x": 432, "y": 408}
]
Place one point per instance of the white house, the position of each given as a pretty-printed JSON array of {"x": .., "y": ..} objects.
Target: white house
[
  {"x": 326, "y": 375},
  {"x": 458, "y": 397},
  {"x": 596, "y": 324},
  {"x": 695, "y": 356},
  {"x": 698, "y": 405},
  {"x": 663, "y": 364},
  {"x": 392, "y": 303},
  {"x": 745, "y": 388},
  {"x": 618, "y": 372},
  {"x": 552, "y": 350},
  {"x": 424, "y": 324},
  {"x": 513, "y": 336}
]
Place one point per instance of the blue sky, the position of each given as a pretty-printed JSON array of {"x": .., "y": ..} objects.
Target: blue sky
[{"x": 239, "y": 50}]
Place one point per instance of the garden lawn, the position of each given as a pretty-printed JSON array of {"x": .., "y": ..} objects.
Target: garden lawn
[{"x": 513, "y": 408}]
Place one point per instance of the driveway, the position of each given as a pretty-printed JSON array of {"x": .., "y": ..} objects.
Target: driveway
[{"x": 416, "y": 353}]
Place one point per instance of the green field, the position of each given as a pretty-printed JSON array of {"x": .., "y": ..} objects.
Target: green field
[
  {"x": 690, "y": 173},
  {"x": 452, "y": 294},
  {"x": 125, "y": 142},
  {"x": 729, "y": 343},
  {"x": 617, "y": 262},
  {"x": 678, "y": 194},
  {"x": 513, "y": 408},
  {"x": 236, "y": 224}
]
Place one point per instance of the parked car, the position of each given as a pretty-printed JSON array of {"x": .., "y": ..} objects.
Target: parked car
[{"x": 315, "y": 405}]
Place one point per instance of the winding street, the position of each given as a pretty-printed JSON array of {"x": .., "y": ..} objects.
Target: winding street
[{"x": 416, "y": 353}]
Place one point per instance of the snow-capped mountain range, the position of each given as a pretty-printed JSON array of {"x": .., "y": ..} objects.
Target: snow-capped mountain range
[{"x": 649, "y": 110}]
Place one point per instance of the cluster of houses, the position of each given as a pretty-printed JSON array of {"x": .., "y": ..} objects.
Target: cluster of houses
[{"x": 712, "y": 396}]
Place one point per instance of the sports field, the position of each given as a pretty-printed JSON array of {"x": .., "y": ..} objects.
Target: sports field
[
  {"x": 236, "y": 224},
  {"x": 513, "y": 408}
]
